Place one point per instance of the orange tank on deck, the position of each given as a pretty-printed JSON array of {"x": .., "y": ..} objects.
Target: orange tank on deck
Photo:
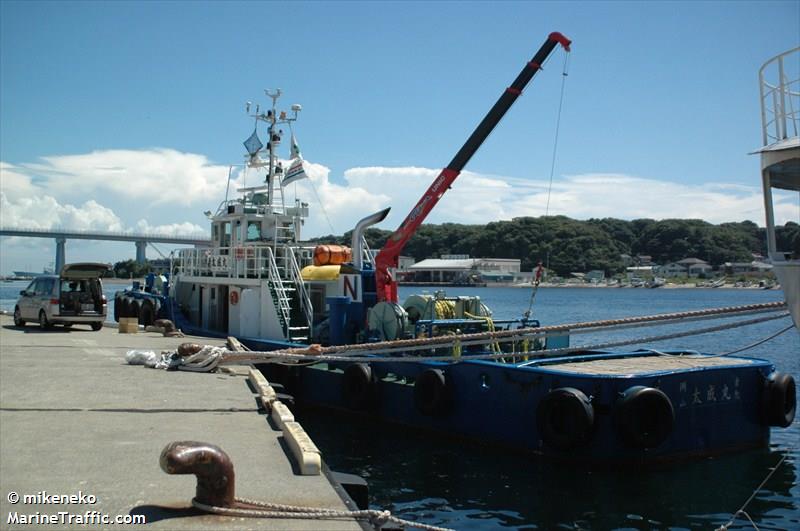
[{"x": 332, "y": 255}]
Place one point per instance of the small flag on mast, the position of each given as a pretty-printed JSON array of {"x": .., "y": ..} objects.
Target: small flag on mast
[
  {"x": 295, "y": 172},
  {"x": 295, "y": 149},
  {"x": 253, "y": 144}
]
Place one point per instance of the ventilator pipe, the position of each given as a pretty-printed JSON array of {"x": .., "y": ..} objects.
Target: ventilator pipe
[
  {"x": 358, "y": 233},
  {"x": 211, "y": 465}
]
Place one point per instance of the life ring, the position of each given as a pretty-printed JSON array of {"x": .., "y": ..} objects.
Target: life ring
[
  {"x": 778, "y": 400},
  {"x": 432, "y": 393},
  {"x": 234, "y": 298},
  {"x": 644, "y": 416},
  {"x": 565, "y": 418},
  {"x": 358, "y": 386}
]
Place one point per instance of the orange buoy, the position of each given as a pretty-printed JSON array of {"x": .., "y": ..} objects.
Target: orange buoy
[{"x": 332, "y": 255}]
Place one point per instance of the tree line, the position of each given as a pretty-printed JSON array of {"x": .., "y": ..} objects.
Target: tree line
[{"x": 566, "y": 245}]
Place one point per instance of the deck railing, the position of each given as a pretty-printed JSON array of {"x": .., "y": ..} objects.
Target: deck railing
[
  {"x": 780, "y": 97},
  {"x": 225, "y": 262}
]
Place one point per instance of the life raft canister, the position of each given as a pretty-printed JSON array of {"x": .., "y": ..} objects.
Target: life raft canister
[
  {"x": 358, "y": 386},
  {"x": 778, "y": 400},
  {"x": 644, "y": 416},
  {"x": 432, "y": 393},
  {"x": 332, "y": 255},
  {"x": 565, "y": 418}
]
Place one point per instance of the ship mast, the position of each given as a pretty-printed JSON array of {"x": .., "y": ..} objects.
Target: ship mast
[
  {"x": 273, "y": 118},
  {"x": 273, "y": 136}
]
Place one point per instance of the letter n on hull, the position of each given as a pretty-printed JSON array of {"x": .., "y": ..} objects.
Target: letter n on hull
[{"x": 350, "y": 286}]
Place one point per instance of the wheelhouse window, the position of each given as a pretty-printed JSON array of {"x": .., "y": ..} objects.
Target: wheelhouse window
[
  {"x": 253, "y": 230},
  {"x": 226, "y": 234}
]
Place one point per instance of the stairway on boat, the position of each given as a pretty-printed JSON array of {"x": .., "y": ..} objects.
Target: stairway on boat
[{"x": 288, "y": 292}]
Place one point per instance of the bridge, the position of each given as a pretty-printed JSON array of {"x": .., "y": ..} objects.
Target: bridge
[{"x": 140, "y": 239}]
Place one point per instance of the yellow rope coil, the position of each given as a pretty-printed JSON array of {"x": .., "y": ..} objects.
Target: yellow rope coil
[
  {"x": 445, "y": 309},
  {"x": 494, "y": 345}
]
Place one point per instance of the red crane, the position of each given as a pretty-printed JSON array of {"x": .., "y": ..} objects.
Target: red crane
[{"x": 388, "y": 255}]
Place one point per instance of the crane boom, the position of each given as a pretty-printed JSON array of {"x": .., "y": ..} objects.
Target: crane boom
[{"x": 388, "y": 256}]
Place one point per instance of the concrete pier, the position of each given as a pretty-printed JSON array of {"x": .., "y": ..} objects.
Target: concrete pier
[{"x": 75, "y": 419}]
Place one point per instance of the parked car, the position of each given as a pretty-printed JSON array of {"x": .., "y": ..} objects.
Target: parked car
[{"x": 74, "y": 296}]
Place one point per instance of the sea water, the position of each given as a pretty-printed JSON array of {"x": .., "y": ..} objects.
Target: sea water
[{"x": 471, "y": 487}]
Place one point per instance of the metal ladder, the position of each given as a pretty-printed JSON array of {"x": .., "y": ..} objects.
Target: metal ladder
[{"x": 286, "y": 286}]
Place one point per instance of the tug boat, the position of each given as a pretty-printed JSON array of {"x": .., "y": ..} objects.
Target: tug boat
[{"x": 329, "y": 327}]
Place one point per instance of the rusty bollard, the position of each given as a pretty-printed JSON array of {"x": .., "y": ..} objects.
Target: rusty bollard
[{"x": 211, "y": 465}]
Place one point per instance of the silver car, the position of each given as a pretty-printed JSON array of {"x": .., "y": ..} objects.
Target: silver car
[{"x": 74, "y": 296}]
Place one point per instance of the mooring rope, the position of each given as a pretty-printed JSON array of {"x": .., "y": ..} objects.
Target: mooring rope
[
  {"x": 755, "y": 344},
  {"x": 724, "y": 527},
  {"x": 277, "y": 510}
]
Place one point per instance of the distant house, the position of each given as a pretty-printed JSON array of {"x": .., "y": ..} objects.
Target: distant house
[
  {"x": 739, "y": 268},
  {"x": 688, "y": 267},
  {"x": 638, "y": 271},
  {"x": 595, "y": 275},
  {"x": 673, "y": 269},
  {"x": 695, "y": 266},
  {"x": 458, "y": 268}
]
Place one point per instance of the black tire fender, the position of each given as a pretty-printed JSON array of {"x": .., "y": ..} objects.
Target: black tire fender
[
  {"x": 133, "y": 309},
  {"x": 358, "y": 386},
  {"x": 779, "y": 400},
  {"x": 565, "y": 418},
  {"x": 644, "y": 416},
  {"x": 432, "y": 393},
  {"x": 124, "y": 307},
  {"x": 147, "y": 313}
]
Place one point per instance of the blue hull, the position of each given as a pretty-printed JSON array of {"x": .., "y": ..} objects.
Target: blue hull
[{"x": 715, "y": 410}]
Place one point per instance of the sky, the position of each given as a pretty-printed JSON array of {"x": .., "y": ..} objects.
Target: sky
[{"x": 126, "y": 116}]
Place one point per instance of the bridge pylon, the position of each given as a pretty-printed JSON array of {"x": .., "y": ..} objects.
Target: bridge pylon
[
  {"x": 61, "y": 244},
  {"x": 141, "y": 256}
]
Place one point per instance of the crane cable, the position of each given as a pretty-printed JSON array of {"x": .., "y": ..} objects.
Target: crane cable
[{"x": 564, "y": 75}]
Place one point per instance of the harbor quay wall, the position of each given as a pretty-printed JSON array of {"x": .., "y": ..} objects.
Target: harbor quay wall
[{"x": 82, "y": 432}]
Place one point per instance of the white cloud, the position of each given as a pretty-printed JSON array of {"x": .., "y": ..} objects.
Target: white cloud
[
  {"x": 159, "y": 176},
  {"x": 45, "y": 212},
  {"x": 14, "y": 182}
]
